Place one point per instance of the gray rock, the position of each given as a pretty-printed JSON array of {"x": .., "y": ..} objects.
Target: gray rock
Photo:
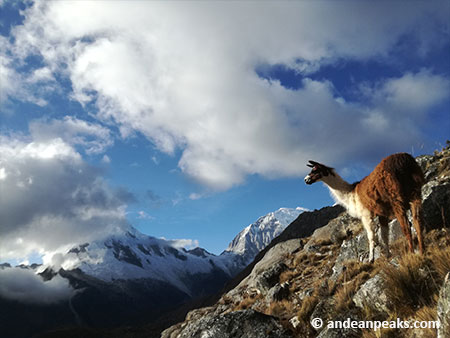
[
  {"x": 395, "y": 230},
  {"x": 357, "y": 248},
  {"x": 373, "y": 294},
  {"x": 238, "y": 324},
  {"x": 428, "y": 165},
  {"x": 270, "y": 277},
  {"x": 304, "y": 293},
  {"x": 334, "y": 231},
  {"x": 436, "y": 204},
  {"x": 323, "y": 309},
  {"x": 278, "y": 293},
  {"x": 266, "y": 272},
  {"x": 443, "y": 309},
  {"x": 295, "y": 322}
]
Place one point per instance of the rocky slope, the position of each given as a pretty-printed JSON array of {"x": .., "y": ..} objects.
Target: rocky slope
[{"x": 303, "y": 275}]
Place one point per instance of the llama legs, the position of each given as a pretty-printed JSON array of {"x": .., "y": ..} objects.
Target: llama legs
[
  {"x": 416, "y": 210},
  {"x": 384, "y": 230},
  {"x": 368, "y": 226},
  {"x": 404, "y": 224}
]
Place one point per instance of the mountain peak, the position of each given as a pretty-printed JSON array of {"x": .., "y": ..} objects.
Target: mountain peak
[{"x": 259, "y": 234}]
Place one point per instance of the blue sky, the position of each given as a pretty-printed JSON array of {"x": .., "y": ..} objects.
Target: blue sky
[{"x": 189, "y": 120}]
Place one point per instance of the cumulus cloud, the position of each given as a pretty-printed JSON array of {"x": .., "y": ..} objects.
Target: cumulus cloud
[
  {"x": 92, "y": 137},
  {"x": 184, "y": 76},
  {"x": 26, "y": 286},
  {"x": 31, "y": 87},
  {"x": 51, "y": 199},
  {"x": 412, "y": 94}
]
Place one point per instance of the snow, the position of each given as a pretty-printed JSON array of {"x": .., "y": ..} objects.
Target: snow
[
  {"x": 258, "y": 235},
  {"x": 130, "y": 254}
]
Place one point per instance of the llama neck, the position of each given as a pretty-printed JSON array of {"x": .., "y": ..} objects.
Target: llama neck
[{"x": 341, "y": 190}]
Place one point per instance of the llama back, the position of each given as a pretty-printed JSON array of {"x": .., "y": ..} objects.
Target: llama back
[
  {"x": 397, "y": 178},
  {"x": 405, "y": 169}
]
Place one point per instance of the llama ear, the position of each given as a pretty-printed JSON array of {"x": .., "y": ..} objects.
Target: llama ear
[{"x": 312, "y": 164}]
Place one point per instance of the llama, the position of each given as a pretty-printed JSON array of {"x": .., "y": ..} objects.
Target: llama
[{"x": 393, "y": 187}]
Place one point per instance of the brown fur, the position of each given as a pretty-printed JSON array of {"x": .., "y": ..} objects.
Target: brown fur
[{"x": 391, "y": 189}]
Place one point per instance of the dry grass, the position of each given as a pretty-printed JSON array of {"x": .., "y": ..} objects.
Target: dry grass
[
  {"x": 247, "y": 302},
  {"x": 280, "y": 309},
  {"x": 307, "y": 307},
  {"x": 427, "y": 313},
  {"x": 354, "y": 274},
  {"x": 380, "y": 333},
  {"x": 287, "y": 276},
  {"x": 440, "y": 257},
  {"x": 412, "y": 285},
  {"x": 408, "y": 285}
]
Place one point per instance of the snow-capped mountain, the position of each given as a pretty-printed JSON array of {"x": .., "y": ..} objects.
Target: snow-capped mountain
[
  {"x": 258, "y": 235},
  {"x": 129, "y": 255},
  {"x": 129, "y": 278},
  {"x": 132, "y": 255}
]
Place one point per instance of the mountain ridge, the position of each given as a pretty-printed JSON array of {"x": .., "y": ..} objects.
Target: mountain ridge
[{"x": 129, "y": 277}]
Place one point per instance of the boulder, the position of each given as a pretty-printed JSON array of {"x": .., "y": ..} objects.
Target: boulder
[
  {"x": 266, "y": 272},
  {"x": 278, "y": 293},
  {"x": 436, "y": 204},
  {"x": 270, "y": 277},
  {"x": 373, "y": 294},
  {"x": 323, "y": 309},
  {"x": 429, "y": 166},
  {"x": 356, "y": 248},
  {"x": 245, "y": 323},
  {"x": 335, "y": 231}
]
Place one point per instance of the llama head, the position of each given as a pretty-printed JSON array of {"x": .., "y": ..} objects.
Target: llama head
[{"x": 318, "y": 171}]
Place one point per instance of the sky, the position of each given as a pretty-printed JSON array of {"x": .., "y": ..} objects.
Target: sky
[{"x": 189, "y": 120}]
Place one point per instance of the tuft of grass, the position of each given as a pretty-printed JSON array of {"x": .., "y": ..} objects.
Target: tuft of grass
[
  {"x": 307, "y": 307},
  {"x": 409, "y": 285},
  {"x": 280, "y": 309},
  {"x": 287, "y": 276},
  {"x": 247, "y": 302},
  {"x": 440, "y": 257},
  {"x": 427, "y": 313},
  {"x": 354, "y": 274},
  {"x": 343, "y": 297}
]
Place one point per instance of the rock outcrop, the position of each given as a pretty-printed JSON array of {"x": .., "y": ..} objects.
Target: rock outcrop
[{"x": 243, "y": 323}]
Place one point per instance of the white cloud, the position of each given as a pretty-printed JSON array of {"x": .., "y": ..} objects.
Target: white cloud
[
  {"x": 183, "y": 75},
  {"x": 93, "y": 137},
  {"x": 106, "y": 159},
  {"x": 195, "y": 196},
  {"x": 51, "y": 199},
  {"x": 143, "y": 215},
  {"x": 2, "y": 174},
  {"x": 33, "y": 87},
  {"x": 26, "y": 286},
  {"x": 43, "y": 74},
  {"x": 187, "y": 244},
  {"x": 413, "y": 93}
]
